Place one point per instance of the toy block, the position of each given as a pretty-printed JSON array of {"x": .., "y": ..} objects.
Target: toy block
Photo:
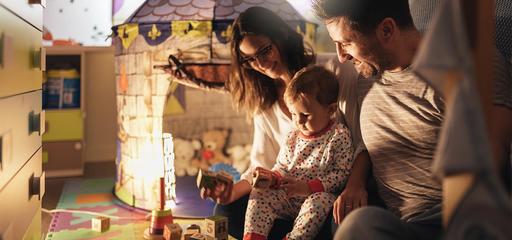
[
  {"x": 172, "y": 231},
  {"x": 191, "y": 230},
  {"x": 262, "y": 178},
  {"x": 198, "y": 236},
  {"x": 224, "y": 177},
  {"x": 217, "y": 238},
  {"x": 206, "y": 179},
  {"x": 216, "y": 226},
  {"x": 100, "y": 224}
]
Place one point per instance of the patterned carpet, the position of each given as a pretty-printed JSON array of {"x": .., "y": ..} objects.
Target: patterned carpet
[{"x": 95, "y": 195}]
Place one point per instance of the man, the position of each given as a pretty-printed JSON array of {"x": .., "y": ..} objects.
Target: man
[{"x": 400, "y": 118}]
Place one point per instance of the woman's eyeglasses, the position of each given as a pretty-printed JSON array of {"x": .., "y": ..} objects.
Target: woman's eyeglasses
[{"x": 250, "y": 62}]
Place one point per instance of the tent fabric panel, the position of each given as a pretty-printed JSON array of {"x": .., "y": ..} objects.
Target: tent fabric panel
[{"x": 172, "y": 10}]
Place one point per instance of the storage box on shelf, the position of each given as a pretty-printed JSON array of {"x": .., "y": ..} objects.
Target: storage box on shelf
[{"x": 63, "y": 99}]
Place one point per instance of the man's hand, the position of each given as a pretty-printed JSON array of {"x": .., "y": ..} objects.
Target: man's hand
[
  {"x": 292, "y": 187},
  {"x": 349, "y": 199}
]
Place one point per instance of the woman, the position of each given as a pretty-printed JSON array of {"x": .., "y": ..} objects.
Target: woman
[{"x": 266, "y": 53}]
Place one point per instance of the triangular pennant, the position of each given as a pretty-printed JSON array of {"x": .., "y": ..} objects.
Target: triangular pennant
[
  {"x": 223, "y": 31},
  {"x": 173, "y": 106},
  {"x": 191, "y": 28},
  {"x": 155, "y": 34},
  {"x": 172, "y": 87},
  {"x": 310, "y": 32},
  {"x": 128, "y": 33}
]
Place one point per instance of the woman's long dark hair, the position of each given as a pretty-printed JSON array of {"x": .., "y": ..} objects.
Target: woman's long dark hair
[{"x": 250, "y": 89}]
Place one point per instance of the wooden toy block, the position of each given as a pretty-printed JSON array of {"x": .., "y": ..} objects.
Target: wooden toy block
[
  {"x": 172, "y": 231},
  {"x": 216, "y": 227},
  {"x": 206, "y": 179},
  {"x": 198, "y": 236},
  {"x": 262, "y": 178},
  {"x": 217, "y": 238},
  {"x": 223, "y": 176},
  {"x": 100, "y": 224},
  {"x": 191, "y": 230}
]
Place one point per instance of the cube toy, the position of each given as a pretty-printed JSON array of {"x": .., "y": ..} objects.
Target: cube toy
[
  {"x": 197, "y": 236},
  {"x": 100, "y": 224},
  {"x": 224, "y": 177},
  {"x": 208, "y": 179},
  {"x": 216, "y": 238},
  {"x": 191, "y": 230},
  {"x": 216, "y": 227},
  {"x": 262, "y": 178},
  {"x": 172, "y": 231}
]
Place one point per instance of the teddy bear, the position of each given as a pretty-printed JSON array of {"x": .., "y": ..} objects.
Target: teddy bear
[
  {"x": 240, "y": 155},
  {"x": 185, "y": 157},
  {"x": 214, "y": 143}
]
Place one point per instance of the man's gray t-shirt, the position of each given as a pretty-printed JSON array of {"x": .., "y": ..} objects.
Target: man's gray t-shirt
[{"x": 401, "y": 118}]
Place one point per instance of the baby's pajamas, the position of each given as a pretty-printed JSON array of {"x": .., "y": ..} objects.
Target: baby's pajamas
[{"x": 324, "y": 162}]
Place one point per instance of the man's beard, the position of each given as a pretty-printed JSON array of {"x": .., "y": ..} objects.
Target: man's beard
[{"x": 364, "y": 69}]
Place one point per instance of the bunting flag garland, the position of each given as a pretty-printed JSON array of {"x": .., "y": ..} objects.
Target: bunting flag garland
[{"x": 221, "y": 31}]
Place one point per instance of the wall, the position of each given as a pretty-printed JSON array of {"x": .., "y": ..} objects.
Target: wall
[
  {"x": 100, "y": 103},
  {"x": 87, "y": 22}
]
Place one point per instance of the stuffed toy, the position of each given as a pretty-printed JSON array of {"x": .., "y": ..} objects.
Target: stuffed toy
[
  {"x": 214, "y": 142},
  {"x": 186, "y": 161},
  {"x": 240, "y": 155}
]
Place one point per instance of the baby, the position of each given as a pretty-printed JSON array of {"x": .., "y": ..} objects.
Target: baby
[{"x": 311, "y": 167}]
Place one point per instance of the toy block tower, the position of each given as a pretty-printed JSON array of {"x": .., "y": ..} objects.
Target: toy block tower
[{"x": 216, "y": 227}]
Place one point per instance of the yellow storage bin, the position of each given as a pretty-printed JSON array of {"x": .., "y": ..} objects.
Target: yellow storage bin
[{"x": 64, "y": 125}]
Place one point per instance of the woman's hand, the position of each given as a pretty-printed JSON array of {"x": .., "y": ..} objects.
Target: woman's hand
[
  {"x": 351, "y": 198},
  {"x": 292, "y": 187}
]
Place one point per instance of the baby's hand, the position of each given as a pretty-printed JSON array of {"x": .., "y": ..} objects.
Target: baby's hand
[{"x": 293, "y": 187}]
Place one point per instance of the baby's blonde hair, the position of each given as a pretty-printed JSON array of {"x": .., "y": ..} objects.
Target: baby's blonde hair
[{"x": 316, "y": 81}]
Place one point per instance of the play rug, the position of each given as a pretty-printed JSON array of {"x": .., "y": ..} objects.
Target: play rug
[{"x": 95, "y": 195}]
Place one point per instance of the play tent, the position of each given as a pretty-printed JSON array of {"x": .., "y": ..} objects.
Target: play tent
[{"x": 195, "y": 31}]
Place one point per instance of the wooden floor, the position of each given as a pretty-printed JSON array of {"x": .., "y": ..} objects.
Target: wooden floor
[{"x": 54, "y": 187}]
